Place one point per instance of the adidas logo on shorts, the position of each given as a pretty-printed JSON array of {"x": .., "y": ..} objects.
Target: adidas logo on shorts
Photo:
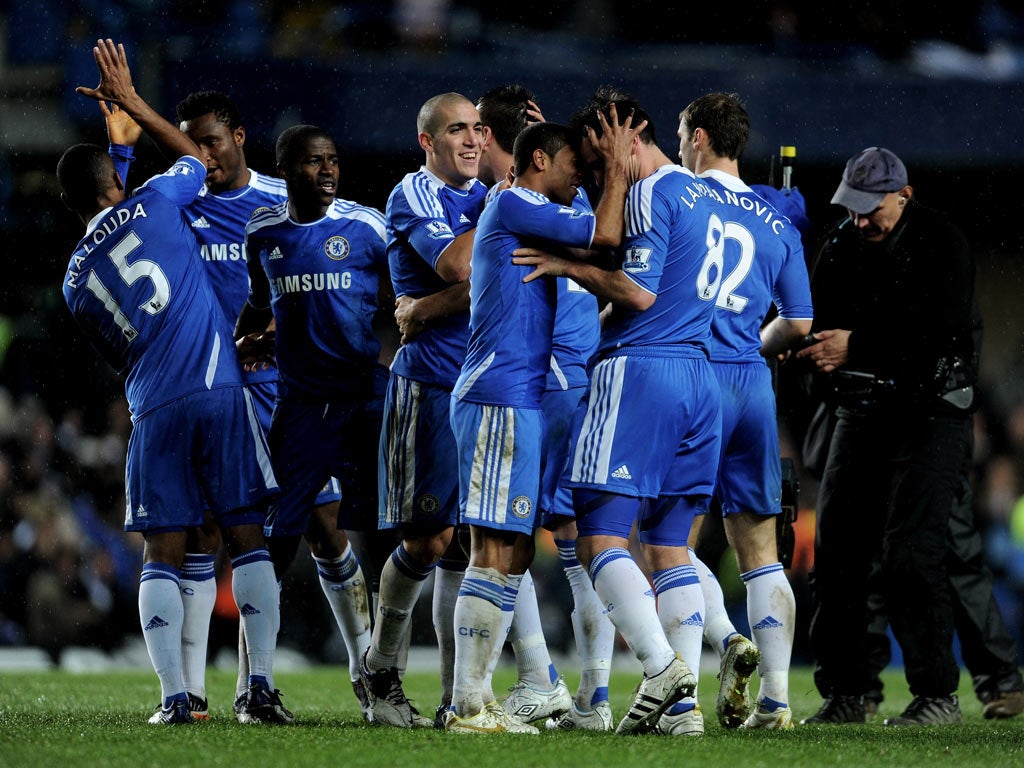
[
  {"x": 248, "y": 610},
  {"x": 622, "y": 473}
]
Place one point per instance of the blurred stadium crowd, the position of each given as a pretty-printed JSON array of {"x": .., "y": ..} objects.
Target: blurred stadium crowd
[{"x": 68, "y": 574}]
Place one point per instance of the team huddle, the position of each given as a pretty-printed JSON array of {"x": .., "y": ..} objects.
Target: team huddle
[{"x": 595, "y": 367}]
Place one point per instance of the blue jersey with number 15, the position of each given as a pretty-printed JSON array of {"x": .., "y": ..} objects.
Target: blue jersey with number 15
[{"x": 137, "y": 288}]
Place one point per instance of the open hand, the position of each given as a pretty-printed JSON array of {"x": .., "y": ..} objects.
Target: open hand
[
  {"x": 121, "y": 128},
  {"x": 115, "y": 76}
]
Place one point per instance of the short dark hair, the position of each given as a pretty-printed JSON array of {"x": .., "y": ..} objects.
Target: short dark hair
[
  {"x": 428, "y": 119},
  {"x": 625, "y": 104},
  {"x": 547, "y": 137},
  {"x": 199, "y": 103},
  {"x": 85, "y": 171},
  {"x": 503, "y": 110},
  {"x": 292, "y": 142},
  {"x": 725, "y": 120}
]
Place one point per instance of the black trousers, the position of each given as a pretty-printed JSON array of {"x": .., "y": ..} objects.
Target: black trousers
[
  {"x": 886, "y": 496},
  {"x": 988, "y": 648}
]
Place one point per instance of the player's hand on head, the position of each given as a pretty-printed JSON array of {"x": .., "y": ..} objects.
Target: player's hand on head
[
  {"x": 115, "y": 76},
  {"x": 533, "y": 113},
  {"x": 615, "y": 144}
]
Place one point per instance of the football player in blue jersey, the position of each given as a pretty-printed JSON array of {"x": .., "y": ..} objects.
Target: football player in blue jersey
[
  {"x": 218, "y": 215},
  {"x": 539, "y": 691},
  {"x": 495, "y": 406},
  {"x": 136, "y": 287},
  {"x": 431, "y": 220},
  {"x": 233, "y": 193},
  {"x": 315, "y": 269},
  {"x": 646, "y": 435},
  {"x": 757, "y": 261}
]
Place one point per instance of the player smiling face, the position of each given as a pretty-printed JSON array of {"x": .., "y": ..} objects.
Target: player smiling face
[
  {"x": 566, "y": 176},
  {"x": 453, "y": 152},
  {"x": 221, "y": 151}
]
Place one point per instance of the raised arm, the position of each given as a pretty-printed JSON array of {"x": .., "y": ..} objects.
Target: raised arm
[
  {"x": 615, "y": 146},
  {"x": 116, "y": 86}
]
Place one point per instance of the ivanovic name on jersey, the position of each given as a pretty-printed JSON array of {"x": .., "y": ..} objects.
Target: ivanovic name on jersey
[{"x": 752, "y": 203}]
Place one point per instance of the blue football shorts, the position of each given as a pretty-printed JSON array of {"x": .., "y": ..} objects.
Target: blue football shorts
[
  {"x": 558, "y": 407},
  {"x": 264, "y": 396},
  {"x": 499, "y": 464},
  {"x": 648, "y": 427},
  {"x": 313, "y": 442},
  {"x": 417, "y": 459},
  {"x": 750, "y": 471},
  {"x": 201, "y": 452}
]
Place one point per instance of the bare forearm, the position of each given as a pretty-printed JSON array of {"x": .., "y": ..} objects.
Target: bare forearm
[
  {"x": 781, "y": 334},
  {"x": 609, "y": 285},
  {"x": 611, "y": 211},
  {"x": 452, "y": 300},
  {"x": 252, "y": 320}
]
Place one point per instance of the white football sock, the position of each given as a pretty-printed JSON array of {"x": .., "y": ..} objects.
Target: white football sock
[
  {"x": 508, "y": 608},
  {"x": 478, "y": 626},
  {"x": 771, "y": 609},
  {"x": 254, "y": 587},
  {"x": 593, "y": 630},
  {"x": 681, "y": 610},
  {"x": 447, "y": 582},
  {"x": 401, "y": 582},
  {"x": 629, "y": 600},
  {"x": 344, "y": 586},
  {"x": 718, "y": 627},
  {"x": 161, "y": 615},
  {"x": 198, "y": 594},
  {"x": 533, "y": 660}
]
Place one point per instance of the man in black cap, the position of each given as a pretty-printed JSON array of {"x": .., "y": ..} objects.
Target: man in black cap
[{"x": 893, "y": 293}]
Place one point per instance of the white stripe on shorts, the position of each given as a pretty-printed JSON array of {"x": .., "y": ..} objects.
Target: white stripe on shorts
[
  {"x": 492, "y": 465},
  {"x": 262, "y": 453},
  {"x": 593, "y": 450},
  {"x": 401, "y": 451}
]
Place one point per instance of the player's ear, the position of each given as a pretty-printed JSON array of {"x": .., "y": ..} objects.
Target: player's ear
[
  {"x": 540, "y": 159},
  {"x": 239, "y": 136},
  {"x": 426, "y": 142},
  {"x": 67, "y": 202}
]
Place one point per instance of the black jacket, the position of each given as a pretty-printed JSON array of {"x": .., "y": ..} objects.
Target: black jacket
[{"x": 908, "y": 302}]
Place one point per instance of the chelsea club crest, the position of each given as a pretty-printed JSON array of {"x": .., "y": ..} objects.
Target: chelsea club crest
[{"x": 337, "y": 248}]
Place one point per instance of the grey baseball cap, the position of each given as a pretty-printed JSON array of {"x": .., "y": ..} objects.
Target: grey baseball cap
[{"x": 869, "y": 176}]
